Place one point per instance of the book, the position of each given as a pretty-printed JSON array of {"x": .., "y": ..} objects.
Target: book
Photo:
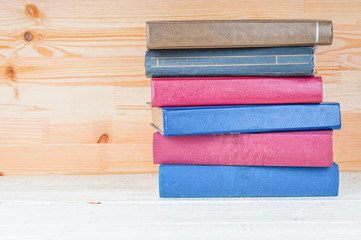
[
  {"x": 173, "y": 121},
  {"x": 237, "y": 33},
  {"x": 235, "y": 90},
  {"x": 279, "y": 61},
  {"x": 180, "y": 181},
  {"x": 294, "y": 149}
]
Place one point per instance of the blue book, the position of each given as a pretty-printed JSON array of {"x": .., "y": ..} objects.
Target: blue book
[
  {"x": 177, "y": 181},
  {"x": 276, "y": 61},
  {"x": 175, "y": 121}
]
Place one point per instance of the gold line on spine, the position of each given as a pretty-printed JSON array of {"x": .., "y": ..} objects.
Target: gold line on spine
[{"x": 297, "y": 55}]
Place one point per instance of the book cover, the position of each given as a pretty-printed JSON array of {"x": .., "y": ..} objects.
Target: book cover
[
  {"x": 235, "y": 90},
  {"x": 294, "y": 149},
  {"x": 278, "y": 61},
  {"x": 237, "y": 33},
  {"x": 181, "y": 181},
  {"x": 173, "y": 121}
]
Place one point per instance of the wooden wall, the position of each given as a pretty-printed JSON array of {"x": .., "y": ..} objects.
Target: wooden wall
[{"x": 72, "y": 98}]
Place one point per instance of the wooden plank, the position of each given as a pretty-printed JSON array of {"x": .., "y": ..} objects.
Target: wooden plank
[
  {"x": 110, "y": 13},
  {"x": 124, "y": 41},
  {"x": 131, "y": 187},
  {"x": 93, "y": 100},
  {"x": 127, "y": 69},
  {"x": 131, "y": 132},
  {"x": 104, "y": 207}
]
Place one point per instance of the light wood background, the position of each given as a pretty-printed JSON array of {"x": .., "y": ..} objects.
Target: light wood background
[
  {"x": 72, "y": 100},
  {"x": 128, "y": 206}
]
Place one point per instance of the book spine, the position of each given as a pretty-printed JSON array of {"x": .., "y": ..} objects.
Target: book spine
[
  {"x": 250, "y": 118},
  {"x": 237, "y": 33},
  {"x": 235, "y": 90},
  {"x": 178, "y": 181},
  {"x": 297, "y": 149},
  {"x": 280, "y": 61}
]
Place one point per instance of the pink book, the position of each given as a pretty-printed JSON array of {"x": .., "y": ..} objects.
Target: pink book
[
  {"x": 298, "y": 149},
  {"x": 235, "y": 90}
]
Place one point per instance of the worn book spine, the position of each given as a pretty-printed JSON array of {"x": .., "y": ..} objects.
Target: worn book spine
[
  {"x": 237, "y": 33},
  {"x": 173, "y": 121},
  {"x": 181, "y": 181},
  {"x": 294, "y": 149},
  {"x": 235, "y": 90},
  {"x": 280, "y": 61}
]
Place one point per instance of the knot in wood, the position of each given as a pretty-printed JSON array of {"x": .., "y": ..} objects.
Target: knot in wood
[
  {"x": 10, "y": 72},
  {"x": 103, "y": 138},
  {"x": 32, "y": 11},
  {"x": 28, "y": 36}
]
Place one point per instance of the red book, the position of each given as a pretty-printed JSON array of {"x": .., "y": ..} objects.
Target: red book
[
  {"x": 298, "y": 149},
  {"x": 235, "y": 90}
]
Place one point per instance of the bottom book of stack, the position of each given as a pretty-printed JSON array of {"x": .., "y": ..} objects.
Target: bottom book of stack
[{"x": 247, "y": 181}]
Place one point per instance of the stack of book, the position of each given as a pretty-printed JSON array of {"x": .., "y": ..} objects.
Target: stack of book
[{"x": 238, "y": 109}]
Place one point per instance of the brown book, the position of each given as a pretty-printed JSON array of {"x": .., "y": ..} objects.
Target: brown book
[{"x": 237, "y": 33}]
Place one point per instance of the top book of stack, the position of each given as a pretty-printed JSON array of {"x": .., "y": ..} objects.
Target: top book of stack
[{"x": 237, "y": 33}]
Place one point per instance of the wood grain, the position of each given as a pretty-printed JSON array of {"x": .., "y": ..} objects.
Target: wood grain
[
  {"x": 78, "y": 88},
  {"x": 105, "y": 158}
]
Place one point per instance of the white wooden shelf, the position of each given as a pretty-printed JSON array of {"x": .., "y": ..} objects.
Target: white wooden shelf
[{"x": 128, "y": 207}]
